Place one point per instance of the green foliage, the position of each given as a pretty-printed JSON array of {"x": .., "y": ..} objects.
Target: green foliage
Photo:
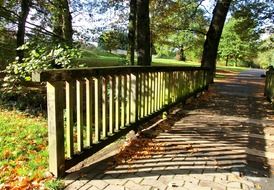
[
  {"x": 266, "y": 55},
  {"x": 54, "y": 184},
  {"x": 40, "y": 57},
  {"x": 165, "y": 51},
  {"x": 178, "y": 26},
  {"x": 239, "y": 44},
  {"x": 111, "y": 40}
]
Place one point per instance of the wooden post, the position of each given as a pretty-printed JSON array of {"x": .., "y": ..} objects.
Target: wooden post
[{"x": 55, "y": 98}]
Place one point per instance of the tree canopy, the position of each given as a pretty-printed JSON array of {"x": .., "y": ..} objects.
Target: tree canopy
[{"x": 173, "y": 28}]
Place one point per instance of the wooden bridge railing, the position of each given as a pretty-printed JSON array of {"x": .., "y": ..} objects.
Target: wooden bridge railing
[
  {"x": 269, "y": 85},
  {"x": 90, "y": 108}
]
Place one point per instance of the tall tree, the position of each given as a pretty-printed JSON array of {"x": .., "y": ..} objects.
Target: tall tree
[
  {"x": 20, "y": 35},
  {"x": 132, "y": 31},
  {"x": 67, "y": 22},
  {"x": 214, "y": 34},
  {"x": 143, "y": 33},
  {"x": 62, "y": 21},
  {"x": 178, "y": 26}
]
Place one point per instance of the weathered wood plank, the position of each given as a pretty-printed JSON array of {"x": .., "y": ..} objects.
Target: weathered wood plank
[
  {"x": 142, "y": 94},
  {"x": 117, "y": 103},
  {"x": 56, "y": 147},
  {"x": 104, "y": 107},
  {"x": 111, "y": 105},
  {"x": 134, "y": 98},
  {"x": 81, "y": 73},
  {"x": 79, "y": 108},
  {"x": 70, "y": 86},
  {"x": 128, "y": 100},
  {"x": 146, "y": 79},
  {"x": 150, "y": 101},
  {"x": 123, "y": 100},
  {"x": 161, "y": 90},
  {"x": 98, "y": 108},
  {"x": 89, "y": 110}
]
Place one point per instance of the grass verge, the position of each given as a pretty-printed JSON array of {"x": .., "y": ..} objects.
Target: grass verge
[{"x": 23, "y": 152}]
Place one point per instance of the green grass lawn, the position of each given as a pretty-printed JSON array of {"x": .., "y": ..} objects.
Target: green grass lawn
[
  {"x": 99, "y": 58},
  {"x": 167, "y": 62},
  {"x": 23, "y": 151}
]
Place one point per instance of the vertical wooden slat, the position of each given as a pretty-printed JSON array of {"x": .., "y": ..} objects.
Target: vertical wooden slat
[
  {"x": 98, "y": 111},
  {"x": 177, "y": 86},
  {"x": 156, "y": 91},
  {"x": 134, "y": 97},
  {"x": 104, "y": 108},
  {"x": 167, "y": 88},
  {"x": 146, "y": 94},
  {"x": 164, "y": 89},
  {"x": 111, "y": 104},
  {"x": 117, "y": 103},
  {"x": 160, "y": 90},
  {"x": 79, "y": 106},
  {"x": 151, "y": 93},
  {"x": 123, "y": 100},
  {"x": 142, "y": 91},
  {"x": 128, "y": 100},
  {"x": 69, "y": 117},
  {"x": 89, "y": 109},
  {"x": 180, "y": 85},
  {"x": 56, "y": 147},
  {"x": 171, "y": 87}
]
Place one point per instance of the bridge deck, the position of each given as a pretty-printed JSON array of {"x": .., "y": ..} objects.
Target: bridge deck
[{"x": 222, "y": 140}]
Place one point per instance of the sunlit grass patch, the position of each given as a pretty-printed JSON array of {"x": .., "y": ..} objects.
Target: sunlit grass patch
[{"x": 23, "y": 151}]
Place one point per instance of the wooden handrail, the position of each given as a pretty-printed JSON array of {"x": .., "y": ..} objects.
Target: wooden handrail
[
  {"x": 80, "y": 73},
  {"x": 98, "y": 105}
]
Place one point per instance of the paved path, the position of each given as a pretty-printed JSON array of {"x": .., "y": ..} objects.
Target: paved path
[{"x": 223, "y": 140}]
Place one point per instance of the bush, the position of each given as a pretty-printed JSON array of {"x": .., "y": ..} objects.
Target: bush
[{"x": 40, "y": 57}]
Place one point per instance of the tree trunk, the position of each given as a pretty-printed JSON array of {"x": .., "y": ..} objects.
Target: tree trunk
[
  {"x": 143, "y": 33},
  {"x": 20, "y": 35},
  {"x": 57, "y": 22},
  {"x": 67, "y": 23},
  {"x": 226, "y": 61},
  {"x": 180, "y": 54},
  {"x": 213, "y": 35},
  {"x": 62, "y": 22},
  {"x": 132, "y": 31}
]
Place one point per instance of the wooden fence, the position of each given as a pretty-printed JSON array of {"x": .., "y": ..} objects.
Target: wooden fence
[
  {"x": 269, "y": 85},
  {"x": 90, "y": 108}
]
